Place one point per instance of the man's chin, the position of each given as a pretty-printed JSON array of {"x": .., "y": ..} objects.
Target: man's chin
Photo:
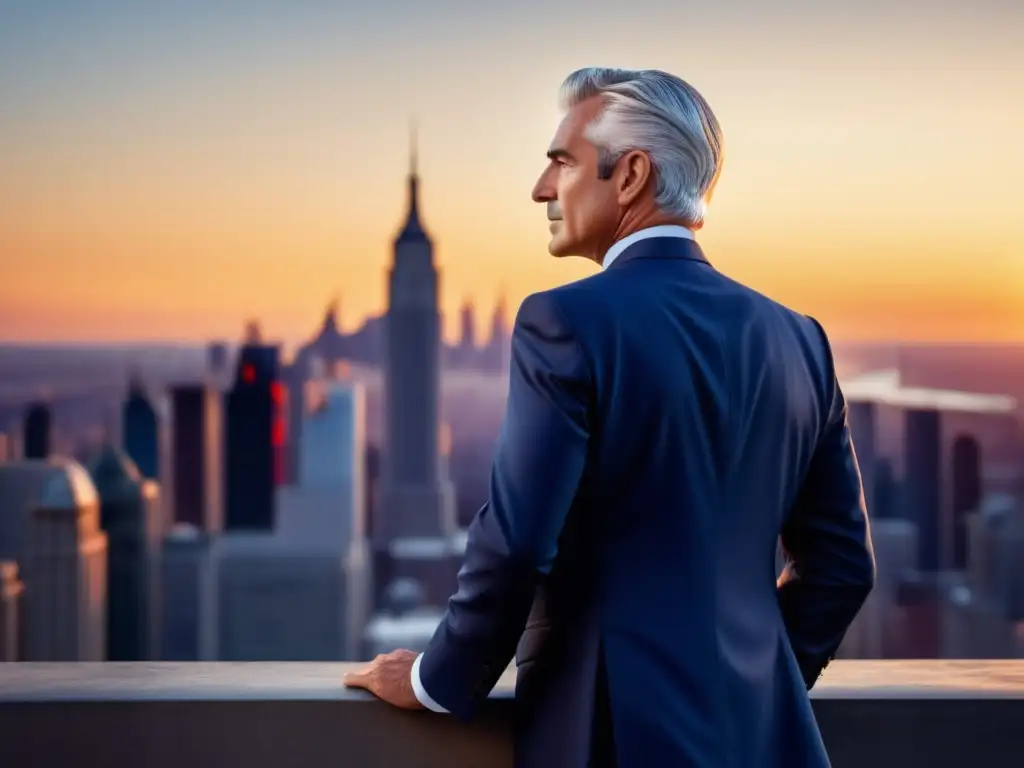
[{"x": 559, "y": 248}]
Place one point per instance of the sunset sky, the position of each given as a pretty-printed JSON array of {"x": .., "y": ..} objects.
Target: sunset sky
[{"x": 168, "y": 170}]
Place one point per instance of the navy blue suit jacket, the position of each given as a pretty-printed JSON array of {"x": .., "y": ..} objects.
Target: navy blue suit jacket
[{"x": 665, "y": 426}]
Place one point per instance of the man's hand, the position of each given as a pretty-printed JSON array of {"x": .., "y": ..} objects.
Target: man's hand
[{"x": 389, "y": 678}]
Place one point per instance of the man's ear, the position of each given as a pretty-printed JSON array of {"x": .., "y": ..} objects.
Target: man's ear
[{"x": 633, "y": 174}]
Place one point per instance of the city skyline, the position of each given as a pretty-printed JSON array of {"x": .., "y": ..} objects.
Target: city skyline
[{"x": 171, "y": 173}]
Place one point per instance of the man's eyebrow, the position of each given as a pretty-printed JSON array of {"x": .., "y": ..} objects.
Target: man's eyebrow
[{"x": 560, "y": 154}]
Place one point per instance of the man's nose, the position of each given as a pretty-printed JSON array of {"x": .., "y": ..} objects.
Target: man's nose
[{"x": 543, "y": 191}]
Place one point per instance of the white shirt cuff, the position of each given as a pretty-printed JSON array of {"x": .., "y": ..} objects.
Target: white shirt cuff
[{"x": 421, "y": 693}]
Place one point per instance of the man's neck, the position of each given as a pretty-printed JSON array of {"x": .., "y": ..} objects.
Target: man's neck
[
  {"x": 634, "y": 221},
  {"x": 658, "y": 230}
]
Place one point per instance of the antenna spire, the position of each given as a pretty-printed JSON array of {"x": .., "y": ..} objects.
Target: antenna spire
[
  {"x": 413, "y": 148},
  {"x": 413, "y": 229}
]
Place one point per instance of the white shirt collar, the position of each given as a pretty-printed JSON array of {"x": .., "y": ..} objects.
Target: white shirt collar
[{"x": 662, "y": 230}]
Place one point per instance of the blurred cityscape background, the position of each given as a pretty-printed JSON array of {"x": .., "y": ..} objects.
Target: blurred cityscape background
[{"x": 220, "y": 440}]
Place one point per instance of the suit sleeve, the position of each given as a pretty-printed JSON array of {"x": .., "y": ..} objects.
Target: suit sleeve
[
  {"x": 538, "y": 463},
  {"x": 828, "y": 542}
]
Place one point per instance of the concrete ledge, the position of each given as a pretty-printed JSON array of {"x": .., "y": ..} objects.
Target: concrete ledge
[{"x": 878, "y": 714}]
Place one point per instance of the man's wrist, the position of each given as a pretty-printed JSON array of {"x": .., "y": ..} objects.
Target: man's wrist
[{"x": 422, "y": 696}]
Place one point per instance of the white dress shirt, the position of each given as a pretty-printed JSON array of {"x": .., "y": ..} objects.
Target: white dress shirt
[{"x": 662, "y": 230}]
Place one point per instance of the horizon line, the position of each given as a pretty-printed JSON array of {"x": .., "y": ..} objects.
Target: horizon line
[{"x": 163, "y": 343}]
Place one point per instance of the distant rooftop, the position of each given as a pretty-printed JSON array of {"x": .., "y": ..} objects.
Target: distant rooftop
[
  {"x": 408, "y": 628},
  {"x": 258, "y": 543},
  {"x": 184, "y": 532},
  {"x": 115, "y": 475},
  {"x": 886, "y": 388},
  {"x": 428, "y": 547},
  {"x": 68, "y": 486}
]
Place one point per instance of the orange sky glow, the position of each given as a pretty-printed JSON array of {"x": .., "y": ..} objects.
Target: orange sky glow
[{"x": 174, "y": 195}]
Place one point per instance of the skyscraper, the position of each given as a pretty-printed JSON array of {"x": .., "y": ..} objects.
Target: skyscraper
[
  {"x": 415, "y": 526},
  {"x": 140, "y": 431},
  {"x": 467, "y": 323},
  {"x": 187, "y": 616},
  {"x": 863, "y": 417},
  {"x": 281, "y": 601},
  {"x": 416, "y": 496},
  {"x": 38, "y": 429},
  {"x": 218, "y": 354},
  {"x": 194, "y": 485},
  {"x": 499, "y": 346},
  {"x": 923, "y": 482},
  {"x": 371, "y": 475},
  {"x": 327, "y": 505},
  {"x": 334, "y": 438},
  {"x": 11, "y": 629},
  {"x": 302, "y": 590},
  {"x": 466, "y": 353},
  {"x": 966, "y": 493},
  {"x": 21, "y": 488},
  {"x": 66, "y": 570},
  {"x": 254, "y": 438},
  {"x": 129, "y": 514}
]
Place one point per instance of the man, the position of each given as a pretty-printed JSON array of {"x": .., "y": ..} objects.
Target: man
[{"x": 665, "y": 426}]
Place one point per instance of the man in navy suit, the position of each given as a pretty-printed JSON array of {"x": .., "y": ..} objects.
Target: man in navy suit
[{"x": 665, "y": 427}]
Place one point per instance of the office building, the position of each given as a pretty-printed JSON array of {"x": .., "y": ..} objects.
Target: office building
[
  {"x": 21, "y": 488},
  {"x": 966, "y": 494},
  {"x": 11, "y": 623},
  {"x": 37, "y": 435},
  {"x": 277, "y": 601},
  {"x": 66, "y": 570},
  {"x": 254, "y": 439},
  {"x": 415, "y": 523},
  {"x": 923, "y": 483},
  {"x": 140, "y": 431},
  {"x": 194, "y": 470},
  {"x": 862, "y": 417},
  {"x": 188, "y": 617},
  {"x": 130, "y": 516}
]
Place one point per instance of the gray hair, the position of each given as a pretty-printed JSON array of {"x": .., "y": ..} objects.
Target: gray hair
[{"x": 665, "y": 117}]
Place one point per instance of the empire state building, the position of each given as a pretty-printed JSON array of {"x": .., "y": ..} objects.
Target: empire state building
[{"x": 416, "y": 495}]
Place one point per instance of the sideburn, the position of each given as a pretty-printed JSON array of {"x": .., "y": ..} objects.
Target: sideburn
[{"x": 606, "y": 164}]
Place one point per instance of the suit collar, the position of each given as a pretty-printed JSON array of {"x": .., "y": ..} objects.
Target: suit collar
[
  {"x": 661, "y": 248},
  {"x": 662, "y": 230}
]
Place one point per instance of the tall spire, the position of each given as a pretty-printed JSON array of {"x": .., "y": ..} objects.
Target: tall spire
[
  {"x": 413, "y": 149},
  {"x": 331, "y": 314},
  {"x": 499, "y": 320},
  {"x": 413, "y": 230}
]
